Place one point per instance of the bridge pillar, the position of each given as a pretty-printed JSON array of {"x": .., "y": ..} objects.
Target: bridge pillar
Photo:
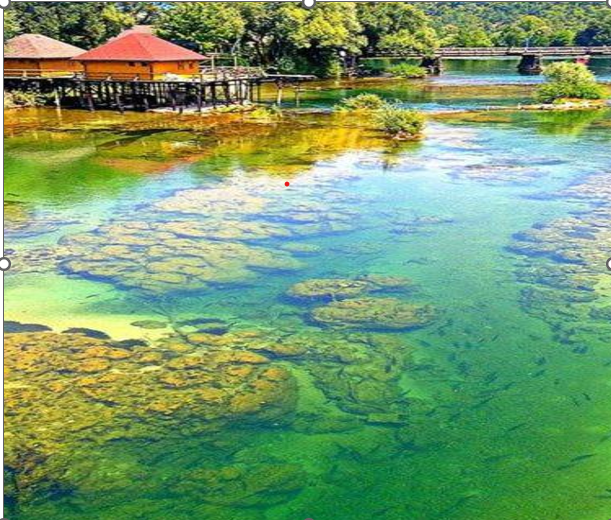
[
  {"x": 432, "y": 64},
  {"x": 530, "y": 64}
]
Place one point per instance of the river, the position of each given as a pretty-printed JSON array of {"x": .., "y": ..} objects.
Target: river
[{"x": 475, "y": 387}]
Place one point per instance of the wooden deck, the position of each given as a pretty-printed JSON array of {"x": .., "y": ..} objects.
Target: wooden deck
[{"x": 128, "y": 92}]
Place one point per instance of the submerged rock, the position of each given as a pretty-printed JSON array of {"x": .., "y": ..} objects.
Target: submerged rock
[
  {"x": 147, "y": 257},
  {"x": 66, "y": 393},
  {"x": 150, "y": 324},
  {"x": 259, "y": 485},
  {"x": 333, "y": 289},
  {"x": 16, "y": 326},
  {"x": 374, "y": 313},
  {"x": 90, "y": 333},
  {"x": 342, "y": 288}
]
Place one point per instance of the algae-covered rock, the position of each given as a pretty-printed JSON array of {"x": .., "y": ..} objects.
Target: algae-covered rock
[
  {"x": 299, "y": 249},
  {"x": 374, "y": 313},
  {"x": 68, "y": 391},
  {"x": 259, "y": 485},
  {"x": 342, "y": 288},
  {"x": 150, "y": 324},
  {"x": 334, "y": 289},
  {"x": 161, "y": 261}
]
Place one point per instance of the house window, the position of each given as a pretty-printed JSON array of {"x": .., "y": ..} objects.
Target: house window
[
  {"x": 131, "y": 64},
  {"x": 144, "y": 63}
]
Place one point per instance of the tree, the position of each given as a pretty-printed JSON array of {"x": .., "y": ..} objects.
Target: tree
[
  {"x": 468, "y": 36},
  {"x": 397, "y": 27},
  {"x": 84, "y": 24},
  {"x": 598, "y": 31},
  {"x": 289, "y": 38},
  {"x": 528, "y": 30},
  {"x": 210, "y": 26},
  {"x": 404, "y": 42},
  {"x": 143, "y": 13},
  {"x": 11, "y": 24},
  {"x": 567, "y": 80}
]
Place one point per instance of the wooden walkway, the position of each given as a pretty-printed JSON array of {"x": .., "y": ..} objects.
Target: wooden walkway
[{"x": 73, "y": 90}]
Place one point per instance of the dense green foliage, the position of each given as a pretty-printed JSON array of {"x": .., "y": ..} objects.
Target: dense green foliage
[
  {"x": 361, "y": 102},
  {"x": 408, "y": 71},
  {"x": 569, "y": 81},
  {"x": 467, "y": 24},
  {"x": 285, "y": 37},
  {"x": 399, "y": 122},
  {"x": 84, "y": 24},
  {"x": 391, "y": 118}
]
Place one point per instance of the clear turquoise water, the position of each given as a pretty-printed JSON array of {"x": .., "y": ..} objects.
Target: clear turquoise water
[{"x": 487, "y": 434}]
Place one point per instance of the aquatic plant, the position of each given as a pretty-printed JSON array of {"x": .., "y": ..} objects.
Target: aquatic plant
[
  {"x": 362, "y": 102},
  {"x": 408, "y": 71},
  {"x": 398, "y": 122},
  {"x": 569, "y": 81}
]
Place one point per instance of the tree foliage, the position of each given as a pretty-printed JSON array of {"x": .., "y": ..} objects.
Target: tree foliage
[
  {"x": 569, "y": 81},
  {"x": 288, "y": 38},
  {"x": 84, "y": 24},
  {"x": 12, "y": 26},
  {"x": 210, "y": 26}
]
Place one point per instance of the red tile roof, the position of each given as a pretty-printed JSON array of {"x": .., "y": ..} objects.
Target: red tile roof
[
  {"x": 139, "y": 46},
  {"x": 39, "y": 46}
]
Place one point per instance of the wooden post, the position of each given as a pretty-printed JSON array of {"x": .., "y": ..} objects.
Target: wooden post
[
  {"x": 279, "y": 86},
  {"x": 118, "y": 100},
  {"x": 199, "y": 97},
  {"x": 297, "y": 92}
]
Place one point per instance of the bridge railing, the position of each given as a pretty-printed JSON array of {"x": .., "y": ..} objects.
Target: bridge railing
[{"x": 469, "y": 52}]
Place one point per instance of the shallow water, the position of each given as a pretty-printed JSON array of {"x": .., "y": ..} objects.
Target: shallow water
[
  {"x": 493, "y": 414},
  {"x": 464, "y": 85}
]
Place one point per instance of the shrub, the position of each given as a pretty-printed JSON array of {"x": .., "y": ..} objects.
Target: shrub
[
  {"x": 399, "y": 122},
  {"x": 568, "y": 81},
  {"x": 407, "y": 71},
  {"x": 361, "y": 102}
]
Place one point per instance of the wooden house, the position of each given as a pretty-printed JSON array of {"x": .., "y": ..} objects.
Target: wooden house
[
  {"x": 39, "y": 55},
  {"x": 140, "y": 55}
]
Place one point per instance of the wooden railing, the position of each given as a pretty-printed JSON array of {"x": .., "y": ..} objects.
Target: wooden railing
[
  {"x": 37, "y": 73},
  {"x": 475, "y": 52},
  {"x": 206, "y": 74}
]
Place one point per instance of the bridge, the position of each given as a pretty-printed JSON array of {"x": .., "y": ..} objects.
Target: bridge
[{"x": 530, "y": 62}]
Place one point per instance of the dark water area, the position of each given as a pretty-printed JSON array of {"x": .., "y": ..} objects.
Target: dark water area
[{"x": 413, "y": 330}]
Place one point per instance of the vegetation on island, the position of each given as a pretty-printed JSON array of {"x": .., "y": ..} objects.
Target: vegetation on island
[
  {"x": 360, "y": 103},
  {"x": 566, "y": 81},
  {"x": 400, "y": 123},
  {"x": 408, "y": 71},
  {"x": 285, "y": 37},
  {"x": 392, "y": 118}
]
